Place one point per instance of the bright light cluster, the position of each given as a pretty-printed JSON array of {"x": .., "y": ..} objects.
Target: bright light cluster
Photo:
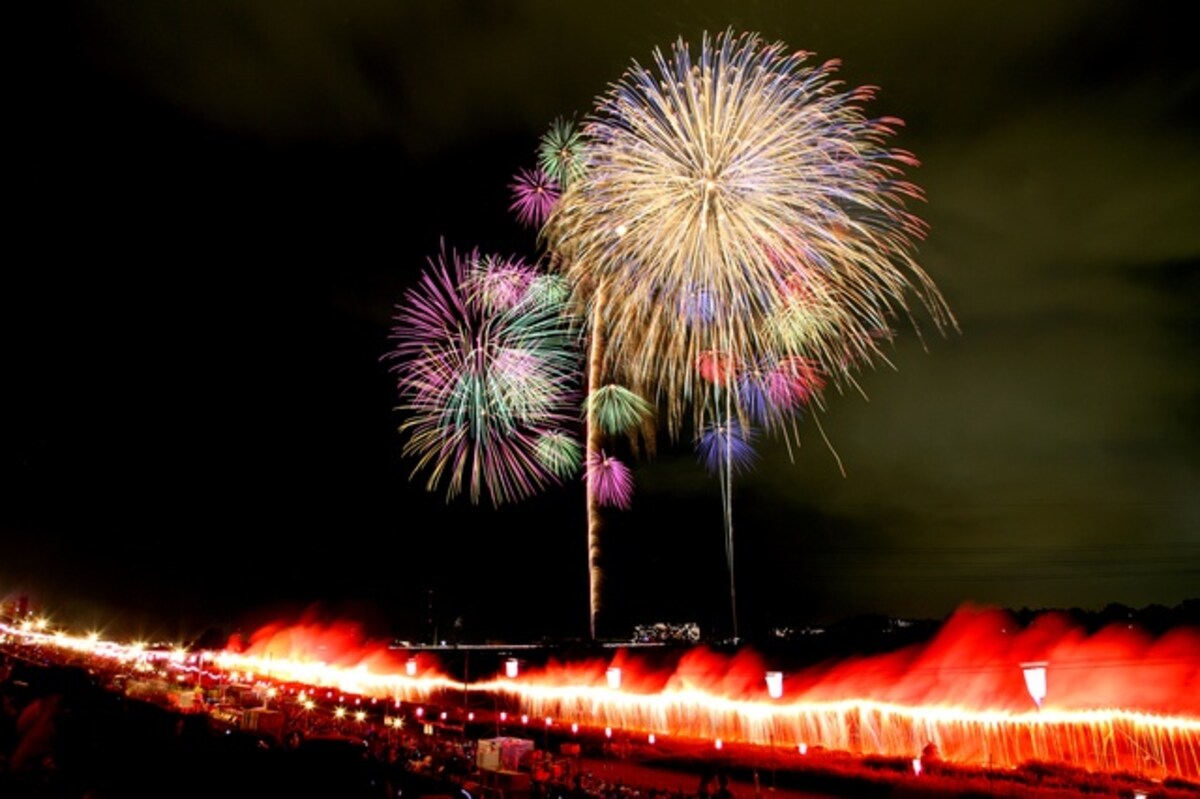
[{"x": 357, "y": 679}]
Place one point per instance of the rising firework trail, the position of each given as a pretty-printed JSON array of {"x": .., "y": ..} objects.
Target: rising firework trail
[{"x": 610, "y": 409}]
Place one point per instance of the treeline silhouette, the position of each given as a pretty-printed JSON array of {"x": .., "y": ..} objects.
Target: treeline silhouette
[{"x": 873, "y": 633}]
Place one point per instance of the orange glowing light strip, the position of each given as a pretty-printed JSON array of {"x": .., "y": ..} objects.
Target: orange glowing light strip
[
  {"x": 356, "y": 679},
  {"x": 1107, "y": 739},
  {"x": 708, "y": 715}
]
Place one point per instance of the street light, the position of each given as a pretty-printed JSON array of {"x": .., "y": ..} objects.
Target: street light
[
  {"x": 410, "y": 667},
  {"x": 511, "y": 668}
]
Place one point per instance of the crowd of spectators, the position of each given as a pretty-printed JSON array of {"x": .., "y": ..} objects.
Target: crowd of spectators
[
  {"x": 65, "y": 735},
  {"x": 587, "y": 785},
  {"x": 64, "y": 732}
]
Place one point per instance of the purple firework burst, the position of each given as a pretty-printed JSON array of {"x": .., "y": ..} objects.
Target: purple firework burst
[
  {"x": 722, "y": 445},
  {"x": 754, "y": 397},
  {"x": 611, "y": 480},
  {"x": 793, "y": 382},
  {"x": 534, "y": 195},
  {"x": 776, "y": 388}
]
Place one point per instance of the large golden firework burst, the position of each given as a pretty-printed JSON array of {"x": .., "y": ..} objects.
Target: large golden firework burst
[{"x": 738, "y": 213}]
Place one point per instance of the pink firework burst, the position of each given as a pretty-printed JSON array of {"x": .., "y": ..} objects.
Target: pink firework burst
[
  {"x": 611, "y": 480},
  {"x": 534, "y": 195},
  {"x": 500, "y": 283},
  {"x": 793, "y": 382}
]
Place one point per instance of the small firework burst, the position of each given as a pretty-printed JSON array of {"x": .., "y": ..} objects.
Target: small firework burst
[
  {"x": 726, "y": 446},
  {"x": 753, "y": 398},
  {"x": 534, "y": 195},
  {"x": 775, "y": 389},
  {"x": 716, "y": 367},
  {"x": 618, "y": 410},
  {"x": 560, "y": 453},
  {"x": 806, "y": 319},
  {"x": 793, "y": 382},
  {"x": 561, "y": 151},
  {"x": 611, "y": 480}
]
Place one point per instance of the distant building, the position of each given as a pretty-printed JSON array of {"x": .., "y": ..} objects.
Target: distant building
[{"x": 665, "y": 632}]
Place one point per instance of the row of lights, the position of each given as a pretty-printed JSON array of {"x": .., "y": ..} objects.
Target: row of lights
[{"x": 1034, "y": 673}]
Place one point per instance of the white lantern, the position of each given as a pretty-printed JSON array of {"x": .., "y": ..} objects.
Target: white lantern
[
  {"x": 1035, "y": 680},
  {"x": 775, "y": 684}
]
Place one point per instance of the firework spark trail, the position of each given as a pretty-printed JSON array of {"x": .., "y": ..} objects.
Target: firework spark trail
[
  {"x": 593, "y": 496},
  {"x": 486, "y": 369}
]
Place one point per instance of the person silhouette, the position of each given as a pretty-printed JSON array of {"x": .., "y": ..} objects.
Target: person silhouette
[{"x": 723, "y": 791}]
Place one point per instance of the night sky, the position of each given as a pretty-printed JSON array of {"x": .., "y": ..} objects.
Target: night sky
[{"x": 214, "y": 207}]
